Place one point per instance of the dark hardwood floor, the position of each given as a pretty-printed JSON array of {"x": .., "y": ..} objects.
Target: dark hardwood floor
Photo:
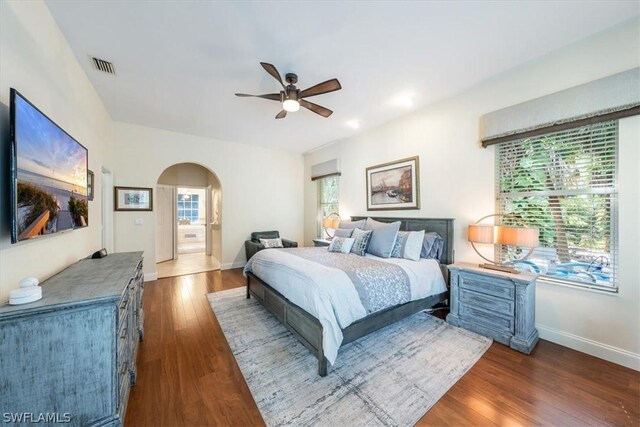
[{"x": 188, "y": 376}]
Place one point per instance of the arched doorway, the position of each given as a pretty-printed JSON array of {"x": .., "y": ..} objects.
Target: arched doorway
[{"x": 188, "y": 213}]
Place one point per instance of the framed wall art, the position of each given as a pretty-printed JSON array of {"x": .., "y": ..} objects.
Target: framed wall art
[
  {"x": 394, "y": 185},
  {"x": 133, "y": 199}
]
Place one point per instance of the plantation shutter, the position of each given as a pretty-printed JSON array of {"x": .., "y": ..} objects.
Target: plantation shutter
[{"x": 564, "y": 183}]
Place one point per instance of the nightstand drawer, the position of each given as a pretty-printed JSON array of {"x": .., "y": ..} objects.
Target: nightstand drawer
[
  {"x": 487, "y": 302},
  {"x": 491, "y": 320},
  {"x": 492, "y": 286}
]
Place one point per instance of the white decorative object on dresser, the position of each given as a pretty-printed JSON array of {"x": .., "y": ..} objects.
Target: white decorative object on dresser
[{"x": 496, "y": 304}]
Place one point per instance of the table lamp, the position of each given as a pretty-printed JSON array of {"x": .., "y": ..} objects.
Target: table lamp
[
  {"x": 331, "y": 221},
  {"x": 502, "y": 235}
]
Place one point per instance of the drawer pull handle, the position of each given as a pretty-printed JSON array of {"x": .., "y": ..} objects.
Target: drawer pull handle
[
  {"x": 123, "y": 335},
  {"x": 124, "y": 368}
]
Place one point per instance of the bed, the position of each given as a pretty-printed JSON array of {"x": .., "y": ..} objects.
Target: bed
[{"x": 316, "y": 303}]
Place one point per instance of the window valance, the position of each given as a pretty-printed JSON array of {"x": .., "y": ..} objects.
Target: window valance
[
  {"x": 605, "y": 99},
  {"x": 324, "y": 169}
]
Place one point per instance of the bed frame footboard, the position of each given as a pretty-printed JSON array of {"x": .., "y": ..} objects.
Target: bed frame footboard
[{"x": 308, "y": 330}]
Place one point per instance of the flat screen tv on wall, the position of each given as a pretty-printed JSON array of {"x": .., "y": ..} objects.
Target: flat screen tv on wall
[{"x": 48, "y": 175}]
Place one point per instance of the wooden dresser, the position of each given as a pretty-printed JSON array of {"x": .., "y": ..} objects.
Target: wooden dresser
[
  {"x": 73, "y": 353},
  {"x": 496, "y": 304}
]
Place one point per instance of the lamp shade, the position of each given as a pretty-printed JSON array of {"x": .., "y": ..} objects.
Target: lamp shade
[
  {"x": 331, "y": 222},
  {"x": 518, "y": 236},
  {"x": 481, "y": 233}
]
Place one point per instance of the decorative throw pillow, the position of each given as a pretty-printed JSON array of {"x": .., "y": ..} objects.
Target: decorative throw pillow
[
  {"x": 383, "y": 237},
  {"x": 341, "y": 244},
  {"x": 408, "y": 245},
  {"x": 342, "y": 232},
  {"x": 351, "y": 224},
  {"x": 432, "y": 246},
  {"x": 361, "y": 240},
  {"x": 271, "y": 243}
]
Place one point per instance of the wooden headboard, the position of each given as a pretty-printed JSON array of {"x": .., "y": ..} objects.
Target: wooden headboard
[{"x": 442, "y": 226}]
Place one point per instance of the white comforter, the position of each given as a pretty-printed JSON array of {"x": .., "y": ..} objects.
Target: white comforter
[{"x": 328, "y": 294}]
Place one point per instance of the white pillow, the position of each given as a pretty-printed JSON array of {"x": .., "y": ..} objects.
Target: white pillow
[
  {"x": 272, "y": 243},
  {"x": 408, "y": 245},
  {"x": 341, "y": 244}
]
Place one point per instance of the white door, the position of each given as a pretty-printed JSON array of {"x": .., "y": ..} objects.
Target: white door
[
  {"x": 165, "y": 222},
  {"x": 208, "y": 213},
  {"x": 106, "y": 187}
]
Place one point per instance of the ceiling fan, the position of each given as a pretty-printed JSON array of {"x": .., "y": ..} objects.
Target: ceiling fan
[{"x": 292, "y": 98}]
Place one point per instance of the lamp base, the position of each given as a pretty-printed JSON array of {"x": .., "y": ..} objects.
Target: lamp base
[{"x": 503, "y": 268}]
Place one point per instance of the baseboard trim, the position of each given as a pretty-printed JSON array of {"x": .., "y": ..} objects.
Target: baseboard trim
[
  {"x": 230, "y": 265},
  {"x": 150, "y": 276},
  {"x": 594, "y": 348}
]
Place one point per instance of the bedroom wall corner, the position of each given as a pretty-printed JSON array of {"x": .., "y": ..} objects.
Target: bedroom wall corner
[{"x": 261, "y": 188}]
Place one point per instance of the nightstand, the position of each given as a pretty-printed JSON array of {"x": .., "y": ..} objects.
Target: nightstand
[
  {"x": 321, "y": 242},
  {"x": 496, "y": 304}
]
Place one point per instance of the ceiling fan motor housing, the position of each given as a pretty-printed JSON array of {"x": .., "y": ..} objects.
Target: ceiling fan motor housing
[
  {"x": 291, "y": 78},
  {"x": 291, "y": 93}
]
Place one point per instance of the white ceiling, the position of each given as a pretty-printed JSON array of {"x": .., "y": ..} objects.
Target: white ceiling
[{"x": 179, "y": 63}]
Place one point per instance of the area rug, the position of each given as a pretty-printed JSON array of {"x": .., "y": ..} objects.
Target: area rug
[{"x": 391, "y": 377}]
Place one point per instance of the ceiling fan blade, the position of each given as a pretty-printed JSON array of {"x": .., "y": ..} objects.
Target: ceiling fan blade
[
  {"x": 282, "y": 114},
  {"x": 271, "y": 96},
  {"x": 273, "y": 71},
  {"x": 320, "y": 88},
  {"x": 318, "y": 109}
]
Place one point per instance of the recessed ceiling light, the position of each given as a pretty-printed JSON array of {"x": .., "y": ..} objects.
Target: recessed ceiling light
[
  {"x": 354, "y": 124},
  {"x": 405, "y": 100}
]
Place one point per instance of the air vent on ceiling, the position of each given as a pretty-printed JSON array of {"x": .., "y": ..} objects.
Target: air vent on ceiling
[{"x": 102, "y": 65}]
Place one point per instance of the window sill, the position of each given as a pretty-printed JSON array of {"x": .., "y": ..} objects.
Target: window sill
[{"x": 581, "y": 286}]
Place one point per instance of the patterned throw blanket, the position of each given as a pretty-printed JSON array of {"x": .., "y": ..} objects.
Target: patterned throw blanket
[{"x": 379, "y": 284}]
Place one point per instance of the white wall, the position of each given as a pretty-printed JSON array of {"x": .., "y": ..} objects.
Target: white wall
[
  {"x": 457, "y": 181},
  {"x": 36, "y": 60},
  {"x": 262, "y": 189}
]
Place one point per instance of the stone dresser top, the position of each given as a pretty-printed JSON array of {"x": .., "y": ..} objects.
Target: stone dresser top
[{"x": 88, "y": 281}]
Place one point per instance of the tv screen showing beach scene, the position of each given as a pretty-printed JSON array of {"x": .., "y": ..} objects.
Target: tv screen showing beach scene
[{"x": 49, "y": 175}]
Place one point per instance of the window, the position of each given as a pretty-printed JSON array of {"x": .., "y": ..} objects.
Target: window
[
  {"x": 328, "y": 192},
  {"x": 564, "y": 183},
  {"x": 188, "y": 208}
]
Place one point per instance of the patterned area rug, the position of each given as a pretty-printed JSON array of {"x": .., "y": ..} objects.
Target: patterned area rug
[{"x": 391, "y": 377}]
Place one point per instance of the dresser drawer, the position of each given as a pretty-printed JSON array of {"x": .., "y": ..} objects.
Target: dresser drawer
[
  {"x": 491, "y": 320},
  {"x": 492, "y": 286},
  {"x": 487, "y": 302}
]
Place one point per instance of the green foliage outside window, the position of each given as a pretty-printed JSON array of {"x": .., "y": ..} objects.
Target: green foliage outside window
[{"x": 564, "y": 184}]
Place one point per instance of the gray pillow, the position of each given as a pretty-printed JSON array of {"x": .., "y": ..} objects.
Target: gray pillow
[
  {"x": 383, "y": 237},
  {"x": 408, "y": 245},
  {"x": 351, "y": 224},
  {"x": 342, "y": 232},
  {"x": 432, "y": 246},
  {"x": 361, "y": 240}
]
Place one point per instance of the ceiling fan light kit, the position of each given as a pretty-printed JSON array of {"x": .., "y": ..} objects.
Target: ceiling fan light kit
[{"x": 292, "y": 98}]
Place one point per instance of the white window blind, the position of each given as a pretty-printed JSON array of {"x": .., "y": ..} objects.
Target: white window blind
[
  {"x": 564, "y": 183},
  {"x": 328, "y": 194}
]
